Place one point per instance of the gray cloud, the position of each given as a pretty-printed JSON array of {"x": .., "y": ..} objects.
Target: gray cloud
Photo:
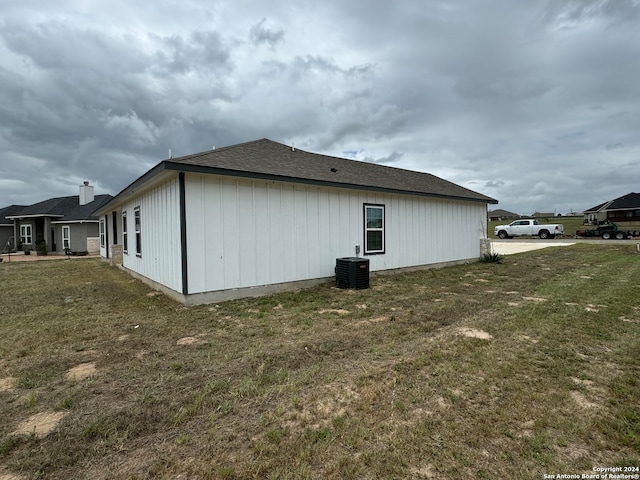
[
  {"x": 534, "y": 103},
  {"x": 262, "y": 34}
]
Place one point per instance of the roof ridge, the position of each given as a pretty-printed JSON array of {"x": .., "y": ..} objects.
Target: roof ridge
[
  {"x": 215, "y": 149},
  {"x": 267, "y": 159}
]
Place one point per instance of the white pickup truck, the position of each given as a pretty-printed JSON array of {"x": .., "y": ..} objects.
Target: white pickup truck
[{"x": 528, "y": 227}]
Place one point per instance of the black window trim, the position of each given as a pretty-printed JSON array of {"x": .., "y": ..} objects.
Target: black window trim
[
  {"x": 137, "y": 227},
  {"x": 365, "y": 229},
  {"x": 125, "y": 233}
]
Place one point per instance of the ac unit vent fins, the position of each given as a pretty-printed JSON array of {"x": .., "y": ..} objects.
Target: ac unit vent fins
[{"x": 352, "y": 272}]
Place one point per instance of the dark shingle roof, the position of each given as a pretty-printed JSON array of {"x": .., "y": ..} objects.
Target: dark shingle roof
[
  {"x": 271, "y": 159},
  {"x": 85, "y": 212},
  {"x": 597, "y": 208},
  {"x": 7, "y": 212},
  {"x": 63, "y": 208},
  {"x": 626, "y": 202}
]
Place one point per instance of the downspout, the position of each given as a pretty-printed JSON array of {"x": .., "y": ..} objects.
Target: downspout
[{"x": 183, "y": 233}]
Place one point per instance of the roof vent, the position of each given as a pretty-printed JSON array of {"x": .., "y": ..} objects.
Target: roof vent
[
  {"x": 334, "y": 170},
  {"x": 293, "y": 147}
]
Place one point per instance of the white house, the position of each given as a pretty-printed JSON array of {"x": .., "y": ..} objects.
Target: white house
[{"x": 261, "y": 217}]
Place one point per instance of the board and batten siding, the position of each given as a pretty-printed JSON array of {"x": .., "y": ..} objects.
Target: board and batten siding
[
  {"x": 161, "y": 257},
  {"x": 245, "y": 233}
]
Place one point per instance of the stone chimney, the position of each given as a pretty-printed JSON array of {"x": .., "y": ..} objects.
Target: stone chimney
[{"x": 86, "y": 193}]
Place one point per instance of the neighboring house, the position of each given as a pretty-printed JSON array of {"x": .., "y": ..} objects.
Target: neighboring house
[
  {"x": 6, "y": 227},
  {"x": 543, "y": 215},
  {"x": 622, "y": 209},
  {"x": 62, "y": 223},
  {"x": 597, "y": 214},
  {"x": 500, "y": 215},
  {"x": 260, "y": 217}
]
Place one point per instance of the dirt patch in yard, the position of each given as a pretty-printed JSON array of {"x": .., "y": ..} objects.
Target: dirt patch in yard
[
  {"x": 7, "y": 384},
  {"x": 582, "y": 401},
  {"x": 474, "y": 333},
  {"x": 40, "y": 424},
  {"x": 9, "y": 476},
  {"x": 371, "y": 321},
  {"x": 195, "y": 340},
  {"x": 81, "y": 372}
]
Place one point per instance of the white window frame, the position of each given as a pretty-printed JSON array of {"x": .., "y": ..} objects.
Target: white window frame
[
  {"x": 138, "y": 228},
  {"x": 370, "y": 229},
  {"x": 125, "y": 237},
  {"x": 66, "y": 239},
  {"x": 26, "y": 234}
]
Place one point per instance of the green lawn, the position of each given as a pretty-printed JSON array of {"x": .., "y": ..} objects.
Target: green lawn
[{"x": 504, "y": 370}]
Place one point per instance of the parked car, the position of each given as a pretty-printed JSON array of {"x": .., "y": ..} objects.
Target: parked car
[{"x": 528, "y": 227}]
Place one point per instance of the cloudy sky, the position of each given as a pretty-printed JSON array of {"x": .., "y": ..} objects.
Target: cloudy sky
[{"x": 535, "y": 103}]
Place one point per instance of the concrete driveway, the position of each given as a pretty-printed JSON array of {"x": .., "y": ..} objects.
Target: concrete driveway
[{"x": 508, "y": 247}]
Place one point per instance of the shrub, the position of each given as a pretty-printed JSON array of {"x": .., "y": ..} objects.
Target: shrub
[{"x": 491, "y": 258}]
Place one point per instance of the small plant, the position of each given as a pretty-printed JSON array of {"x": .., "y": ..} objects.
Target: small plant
[
  {"x": 31, "y": 400},
  {"x": 491, "y": 258}
]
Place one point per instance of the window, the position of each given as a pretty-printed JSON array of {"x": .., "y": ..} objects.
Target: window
[
  {"x": 125, "y": 243},
  {"x": 66, "y": 237},
  {"x": 136, "y": 213},
  {"x": 26, "y": 236},
  {"x": 373, "y": 229},
  {"x": 102, "y": 240}
]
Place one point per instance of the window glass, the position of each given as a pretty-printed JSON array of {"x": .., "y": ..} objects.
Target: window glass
[
  {"x": 26, "y": 234},
  {"x": 102, "y": 236},
  {"x": 138, "y": 231},
  {"x": 125, "y": 243},
  {"x": 373, "y": 229},
  {"x": 66, "y": 237}
]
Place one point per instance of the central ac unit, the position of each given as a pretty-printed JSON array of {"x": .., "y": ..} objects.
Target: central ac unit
[{"x": 352, "y": 272}]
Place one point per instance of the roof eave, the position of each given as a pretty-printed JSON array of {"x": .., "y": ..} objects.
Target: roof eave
[
  {"x": 141, "y": 184},
  {"x": 36, "y": 215},
  {"x": 131, "y": 189},
  {"x": 181, "y": 167},
  {"x": 86, "y": 220}
]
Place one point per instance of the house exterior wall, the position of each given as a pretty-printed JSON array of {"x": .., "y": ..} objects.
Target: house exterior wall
[
  {"x": 78, "y": 235},
  {"x": 6, "y": 237},
  {"x": 29, "y": 221},
  {"x": 621, "y": 216},
  {"x": 112, "y": 237},
  {"x": 160, "y": 259},
  {"x": 245, "y": 233},
  {"x": 595, "y": 217}
]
